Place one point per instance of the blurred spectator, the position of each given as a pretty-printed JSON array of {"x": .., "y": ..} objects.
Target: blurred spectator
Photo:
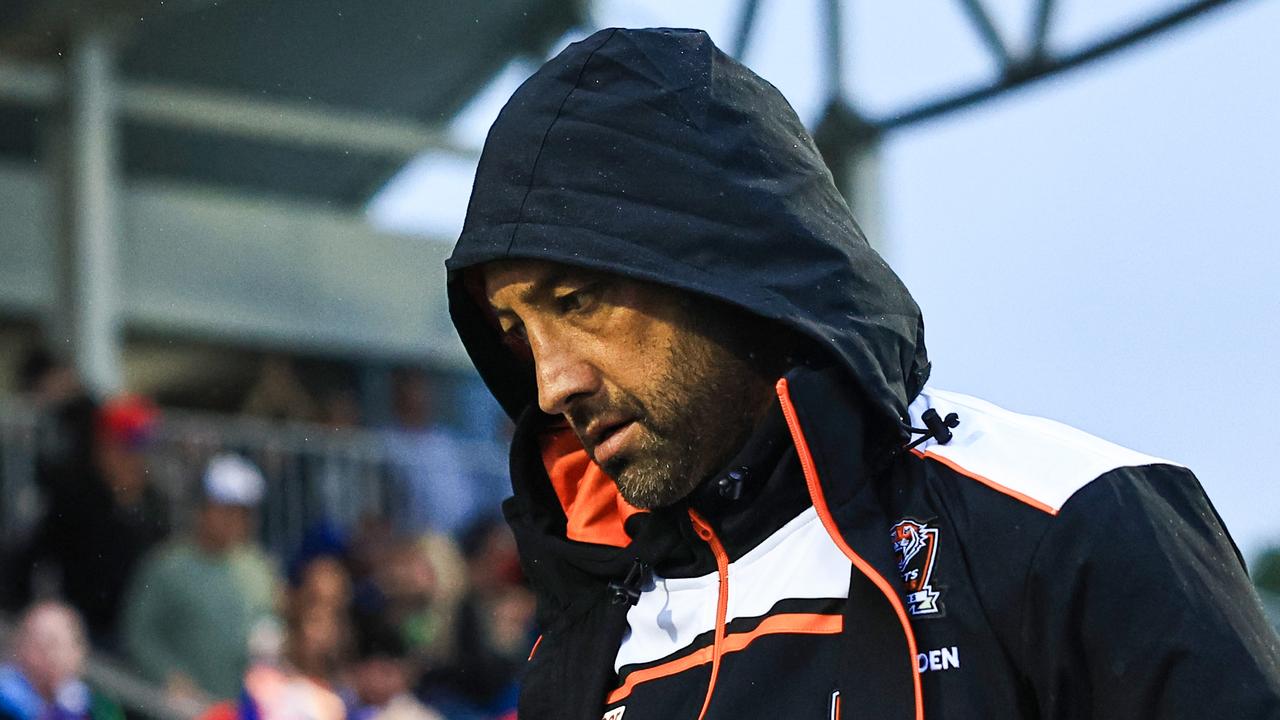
[
  {"x": 281, "y": 693},
  {"x": 415, "y": 587},
  {"x": 63, "y": 443},
  {"x": 194, "y": 605},
  {"x": 316, "y": 646},
  {"x": 318, "y": 571},
  {"x": 494, "y": 628},
  {"x": 382, "y": 675},
  {"x": 318, "y": 641},
  {"x": 428, "y": 462},
  {"x": 43, "y": 681},
  {"x": 319, "y": 606},
  {"x": 45, "y": 382},
  {"x": 322, "y": 583},
  {"x": 408, "y": 591},
  {"x": 53, "y": 388},
  {"x": 298, "y": 685},
  {"x": 101, "y": 520},
  {"x": 278, "y": 394},
  {"x": 436, "y": 644},
  {"x": 340, "y": 408}
]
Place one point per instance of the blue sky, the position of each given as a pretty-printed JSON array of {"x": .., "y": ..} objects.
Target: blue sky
[{"x": 1102, "y": 248}]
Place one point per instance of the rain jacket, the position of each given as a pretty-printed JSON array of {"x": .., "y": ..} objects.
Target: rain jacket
[{"x": 1003, "y": 567}]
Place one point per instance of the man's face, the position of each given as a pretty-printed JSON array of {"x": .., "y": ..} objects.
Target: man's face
[
  {"x": 224, "y": 527},
  {"x": 655, "y": 382},
  {"x": 123, "y": 467},
  {"x": 51, "y": 647}
]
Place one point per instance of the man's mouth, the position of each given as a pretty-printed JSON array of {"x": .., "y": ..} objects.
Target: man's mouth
[{"x": 607, "y": 439}]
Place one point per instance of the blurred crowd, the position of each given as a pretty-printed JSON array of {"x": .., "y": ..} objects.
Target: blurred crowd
[{"x": 420, "y": 616}]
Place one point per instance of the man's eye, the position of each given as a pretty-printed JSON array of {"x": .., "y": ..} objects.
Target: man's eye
[
  {"x": 576, "y": 300},
  {"x": 514, "y": 332}
]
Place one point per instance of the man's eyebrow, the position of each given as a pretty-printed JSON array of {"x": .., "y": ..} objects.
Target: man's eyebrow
[{"x": 541, "y": 288}]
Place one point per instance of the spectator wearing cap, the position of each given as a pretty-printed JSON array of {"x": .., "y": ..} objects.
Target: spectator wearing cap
[
  {"x": 196, "y": 603},
  {"x": 100, "y": 523},
  {"x": 43, "y": 680}
]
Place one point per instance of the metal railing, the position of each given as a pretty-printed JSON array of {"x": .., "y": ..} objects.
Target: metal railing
[{"x": 312, "y": 472}]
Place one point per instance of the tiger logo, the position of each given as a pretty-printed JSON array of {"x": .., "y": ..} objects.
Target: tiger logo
[{"x": 916, "y": 545}]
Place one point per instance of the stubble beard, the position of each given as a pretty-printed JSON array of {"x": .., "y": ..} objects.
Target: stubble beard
[{"x": 697, "y": 416}]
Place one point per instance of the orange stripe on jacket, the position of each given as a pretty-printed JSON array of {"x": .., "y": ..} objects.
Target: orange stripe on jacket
[
  {"x": 708, "y": 535},
  {"x": 819, "y": 499},
  {"x": 986, "y": 481},
  {"x": 794, "y": 623}
]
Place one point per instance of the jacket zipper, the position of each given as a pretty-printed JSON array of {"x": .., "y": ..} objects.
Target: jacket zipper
[
  {"x": 704, "y": 531},
  {"x": 824, "y": 513}
]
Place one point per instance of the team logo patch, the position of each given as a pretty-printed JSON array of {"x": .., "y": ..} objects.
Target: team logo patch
[
  {"x": 916, "y": 545},
  {"x": 615, "y": 714}
]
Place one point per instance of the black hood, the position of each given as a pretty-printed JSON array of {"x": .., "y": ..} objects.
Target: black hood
[{"x": 652, "y": 154}]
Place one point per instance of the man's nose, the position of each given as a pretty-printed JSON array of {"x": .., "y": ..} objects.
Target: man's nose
[{"x": 562, "y": 375}]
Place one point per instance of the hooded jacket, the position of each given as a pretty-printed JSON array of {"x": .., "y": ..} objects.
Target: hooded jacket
[{"x": 1006, "y": 566}]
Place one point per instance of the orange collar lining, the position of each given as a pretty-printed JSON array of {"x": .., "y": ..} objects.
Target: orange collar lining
[{"x": 595, "y": 510}]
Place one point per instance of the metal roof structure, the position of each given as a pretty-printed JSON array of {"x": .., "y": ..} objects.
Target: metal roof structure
[
  {"x": 199, "y": 168},
  {"x": 320, "y": 99}
]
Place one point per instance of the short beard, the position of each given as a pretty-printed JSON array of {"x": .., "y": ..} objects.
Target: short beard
[{"x": 701, "y": 412}]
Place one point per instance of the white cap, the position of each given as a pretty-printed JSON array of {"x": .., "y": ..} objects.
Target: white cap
[{"x": 231, "y": 480}]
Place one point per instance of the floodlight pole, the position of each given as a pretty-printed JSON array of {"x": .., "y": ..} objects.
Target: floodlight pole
[
  {"x": 851, "y": 148},
  {"x": 849, "y": 144},
  {"x": 89, "y": 201},
  {"x": 862, "y": 187}
]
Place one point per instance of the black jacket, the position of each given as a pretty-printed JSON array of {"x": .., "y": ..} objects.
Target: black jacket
[{"x": 1017, "y": 569}]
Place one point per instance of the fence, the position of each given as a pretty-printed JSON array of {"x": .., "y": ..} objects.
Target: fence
[{"x": 313, "y": 473}]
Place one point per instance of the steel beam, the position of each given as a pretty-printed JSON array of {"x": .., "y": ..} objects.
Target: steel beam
[
  {"x": 986, "y": 29},
  {"x": 746, "y": 23},
  {"x": 1047, "y": 66},
  {"x": 90, "y": 204},
  {"x": 281, "y": 121},
  {"x": 1040, "y": 30}
]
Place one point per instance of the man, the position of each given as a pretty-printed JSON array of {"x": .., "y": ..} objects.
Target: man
[
  {"x": 43, "y": 682},
  {"x": 195, "y": 604},
  {"x": 102, "y": 518},
  {"x": 718, "y": 497}
]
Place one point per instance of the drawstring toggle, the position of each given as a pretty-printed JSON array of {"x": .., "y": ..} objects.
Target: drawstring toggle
[{"x": 935, "y": 428}]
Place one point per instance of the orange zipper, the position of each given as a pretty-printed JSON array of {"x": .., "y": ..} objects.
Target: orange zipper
[
  {"x": 704, "y": 531},
  {"x": 824, "y": 513}
]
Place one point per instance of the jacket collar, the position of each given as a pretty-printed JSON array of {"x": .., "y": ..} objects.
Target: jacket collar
[
  {"x": 830, "y": 423},
  {"x": 755, "y": 493}
]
